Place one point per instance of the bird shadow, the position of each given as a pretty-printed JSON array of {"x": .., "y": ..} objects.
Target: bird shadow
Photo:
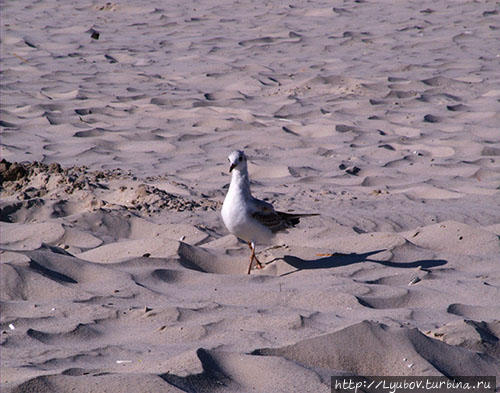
[{"x": 338, "y": 260}]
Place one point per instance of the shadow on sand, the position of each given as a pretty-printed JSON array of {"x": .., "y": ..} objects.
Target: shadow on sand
[{"x": 338, "y": 260}]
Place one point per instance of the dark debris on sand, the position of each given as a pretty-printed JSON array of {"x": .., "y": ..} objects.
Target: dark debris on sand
[{"x": 38, "y": 182}]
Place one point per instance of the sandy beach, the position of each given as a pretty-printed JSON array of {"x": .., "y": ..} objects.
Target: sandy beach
[{"x": 117, "y": 273}]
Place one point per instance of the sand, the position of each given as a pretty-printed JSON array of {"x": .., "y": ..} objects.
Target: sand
[{"x": 117, "y": 273}]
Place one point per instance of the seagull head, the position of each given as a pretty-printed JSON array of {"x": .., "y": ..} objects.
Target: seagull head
[{"x": 237, "y": 160}]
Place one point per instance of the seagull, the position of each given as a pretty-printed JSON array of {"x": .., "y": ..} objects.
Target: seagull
[{"x": 248, "y": 218}]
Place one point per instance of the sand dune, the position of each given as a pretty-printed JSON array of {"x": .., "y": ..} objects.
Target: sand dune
[
  {"x": 116, "y": 270},
  {"x": 398, "y": 351}
]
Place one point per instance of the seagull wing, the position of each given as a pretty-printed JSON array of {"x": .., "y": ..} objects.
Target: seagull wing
[{"x": 276, "y": 221}]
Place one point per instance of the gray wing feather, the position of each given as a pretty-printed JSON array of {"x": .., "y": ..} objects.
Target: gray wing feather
[
  {"x": 275, "y": 220},
  {"x": 278, "y": 221}
]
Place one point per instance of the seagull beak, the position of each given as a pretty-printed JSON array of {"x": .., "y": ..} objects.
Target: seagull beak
[{"x": 232, "y": 167}]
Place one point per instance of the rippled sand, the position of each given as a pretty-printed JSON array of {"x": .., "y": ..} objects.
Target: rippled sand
[{"x": 116, "y": 269}]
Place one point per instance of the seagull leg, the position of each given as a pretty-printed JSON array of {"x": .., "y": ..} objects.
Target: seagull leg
[
  {"x": 252, "y": 257},
  {"x": 259, "y": 265}
]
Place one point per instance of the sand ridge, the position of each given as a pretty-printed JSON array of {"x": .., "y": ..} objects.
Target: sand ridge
[{"x": 116, "y": 121}]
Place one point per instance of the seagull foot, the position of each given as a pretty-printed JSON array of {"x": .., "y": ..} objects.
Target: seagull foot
[{"x": 258, "y": 265}]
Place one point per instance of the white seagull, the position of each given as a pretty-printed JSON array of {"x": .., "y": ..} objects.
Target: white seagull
[{"x": 248, "y": 218}]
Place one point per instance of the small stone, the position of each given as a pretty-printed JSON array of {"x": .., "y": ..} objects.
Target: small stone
[
  {"x": 94, "y": 34},
  {"x": 353, "y": 171}
]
